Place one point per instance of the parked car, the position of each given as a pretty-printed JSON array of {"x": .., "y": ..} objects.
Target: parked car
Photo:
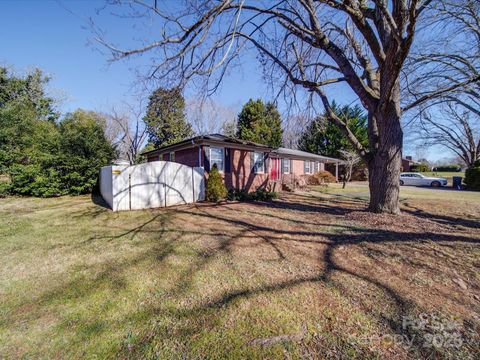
[{"x": 416, "y": 179}]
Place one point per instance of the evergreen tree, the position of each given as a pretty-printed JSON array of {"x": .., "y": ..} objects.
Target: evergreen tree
[
  {"x": 260, "y": 123},
  {"x": 84, "y": 149},
  {"x": 216, "y": 189},
  {"x": 165, "y": 119},
  {"x": 40, "y": 156},
  {"x": 325, "y": 138}
]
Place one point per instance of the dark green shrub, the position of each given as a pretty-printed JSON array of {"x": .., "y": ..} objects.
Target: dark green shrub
[
  {"x": 419, "y": 168},
  {"x": 31, "y": 179},
  {"x": 448, "y": 168},
  {"x": 4, "y": 189},
  {"x": 262, "y": 195},
  {"x": 258, "y": 195},
  {"x": 216, "y": 189},
  {"x": 58, "y": 158},
  {"x": 237, "y": 195},
  {"x": 472, "y": 178}
]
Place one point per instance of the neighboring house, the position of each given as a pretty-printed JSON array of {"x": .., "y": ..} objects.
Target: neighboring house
[
  {"x": 244, "y": 164},
  {"x": 407, "y": 162}
]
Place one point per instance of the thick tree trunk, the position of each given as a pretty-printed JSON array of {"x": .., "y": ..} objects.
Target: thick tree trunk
[{"x": 385, "y": 165}]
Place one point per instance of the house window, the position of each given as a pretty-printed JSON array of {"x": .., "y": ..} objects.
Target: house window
[
  {"x": 285, "y": 166},
  {"x": 171, "y": 156},
  {"x": 258, "y": 162},
  {"x": 217, "y": 157},
  {"x": 307, "y": 167}
]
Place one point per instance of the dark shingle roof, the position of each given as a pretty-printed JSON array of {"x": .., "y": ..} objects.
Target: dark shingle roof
[
  {"x": 303, "y": 154},
  {"x": 229, "y": 140},
  {"x": 209, "y": 137}
]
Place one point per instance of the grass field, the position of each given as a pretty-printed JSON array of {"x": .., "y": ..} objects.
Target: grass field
[
  {"x": 311, "y": 275},
  {"x": 444, "y": 195},
  {"x": 445, "y": 175}
]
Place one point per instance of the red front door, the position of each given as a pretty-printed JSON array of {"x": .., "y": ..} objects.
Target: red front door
[{"x": 274, "y": 168}]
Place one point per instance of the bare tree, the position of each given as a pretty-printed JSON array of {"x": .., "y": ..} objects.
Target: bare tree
[
  {"x": 131, "y": 131},
  {"x": 350, "y": 159},
  {"x": 111, "y": 129},
  {"x": 229, "y": 128},
  {"x": 208, "y": 116},
  {"x": 301, "y": 44},
  {"x": 442, "y": 68},
  {"x": 450, "y": 119},
  {"x": 293, "y": 128},
  {"x": 454, "y": 128}
]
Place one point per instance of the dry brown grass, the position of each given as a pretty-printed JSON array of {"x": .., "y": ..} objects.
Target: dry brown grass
[{"x": 309, "y": 275}]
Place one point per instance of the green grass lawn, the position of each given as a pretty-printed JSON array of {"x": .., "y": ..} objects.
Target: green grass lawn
[
  {"x": 445, "y": 175},
  {"x": 308, "y": 276},
  {"x": 444, "y": 195}
]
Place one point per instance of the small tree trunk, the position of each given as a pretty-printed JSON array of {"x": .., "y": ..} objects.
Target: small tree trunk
[{"x": 385, "y": 166}]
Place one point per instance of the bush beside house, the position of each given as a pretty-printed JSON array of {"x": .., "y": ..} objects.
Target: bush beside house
[
  {"x": 320, "y": 178},
  {"x": 258, "y": 195},
  {"x": 216, "y": 189}
]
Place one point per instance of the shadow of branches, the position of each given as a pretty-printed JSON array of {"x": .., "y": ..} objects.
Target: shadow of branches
[{"x": 303, "y": 238}]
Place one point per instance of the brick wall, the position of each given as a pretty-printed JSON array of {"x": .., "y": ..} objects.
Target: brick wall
[
  {"x": 187, "y": 157},
  {"x": 297, "y": 167},
  {"x": 241, "y": 175},
  {"x": 153, "y": 158},
  {"x": 405, "y": 165}
]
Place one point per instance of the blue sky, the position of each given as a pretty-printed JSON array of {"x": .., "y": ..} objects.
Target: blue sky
[{"x": 55, "y": 36}]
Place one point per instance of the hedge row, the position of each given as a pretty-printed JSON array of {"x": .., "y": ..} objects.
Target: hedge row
[{"x": 447, "y": 168}]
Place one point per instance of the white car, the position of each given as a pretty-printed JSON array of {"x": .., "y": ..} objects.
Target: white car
[{"x": 417, "y": 179}]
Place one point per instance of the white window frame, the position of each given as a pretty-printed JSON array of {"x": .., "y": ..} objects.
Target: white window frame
[
  {"x": 309, "y": 170},
  {"x": 255, "y": 161},
  {"x": 223, "y": 157},
  {"x": 283, "y": 162},
  {"x": 171, "y": 156}
]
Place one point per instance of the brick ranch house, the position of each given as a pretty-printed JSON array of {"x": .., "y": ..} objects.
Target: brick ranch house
[
  {"x": 407, "y": 163},
  {"x": 244, "y": 165}
]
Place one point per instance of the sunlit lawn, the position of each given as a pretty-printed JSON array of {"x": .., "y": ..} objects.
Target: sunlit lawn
[
  {"x": 308, "y": 276},
  {"x": 444, "y": 194}
]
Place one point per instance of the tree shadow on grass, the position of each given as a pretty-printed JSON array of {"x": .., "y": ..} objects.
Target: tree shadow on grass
[
  {"x": 443, "y": 219},
  {"x": 228, "y": 228}
]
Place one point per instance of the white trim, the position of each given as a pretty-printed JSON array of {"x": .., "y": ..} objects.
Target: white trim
[
  {"x": 309, "y": 167},
  {"x": 282, "y": 162},
  {"x": 223, "y": 157},
  {"x": 262, "y": 154}
]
